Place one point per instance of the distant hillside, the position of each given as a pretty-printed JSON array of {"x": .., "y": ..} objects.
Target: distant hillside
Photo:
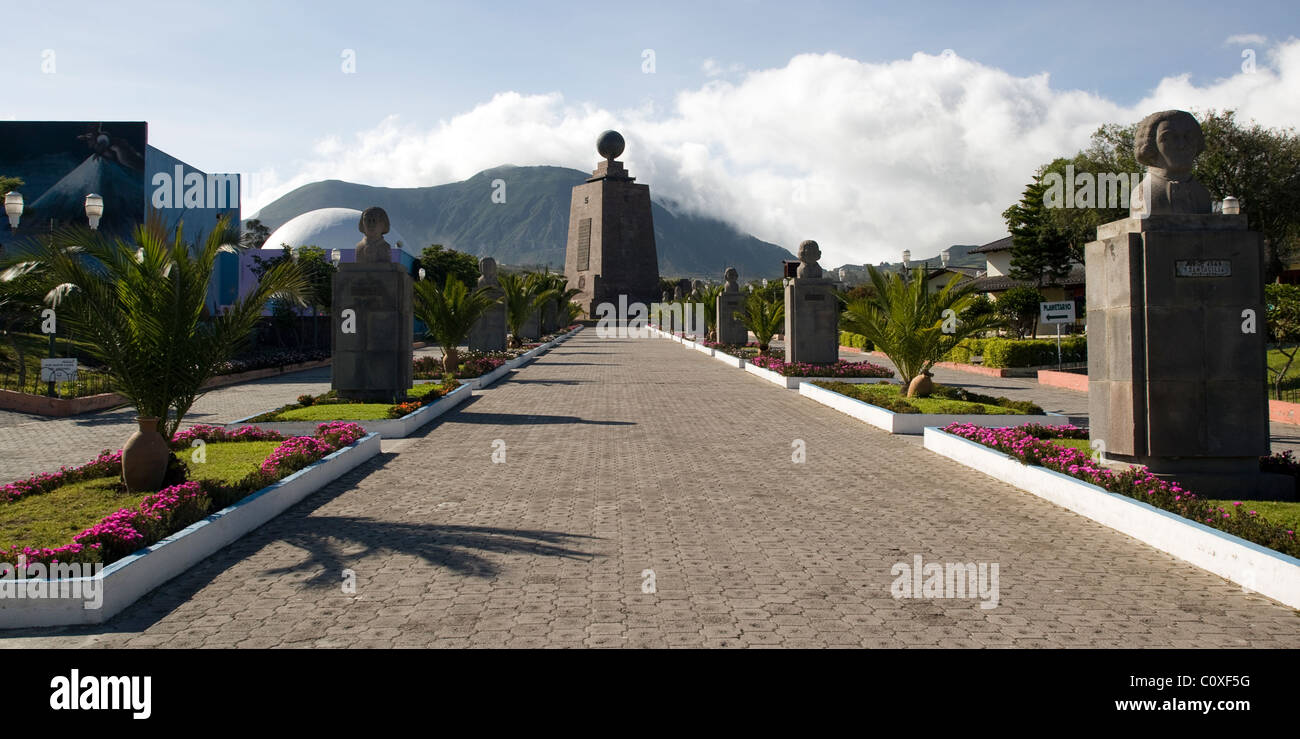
[{"x": 533, "y": 224}]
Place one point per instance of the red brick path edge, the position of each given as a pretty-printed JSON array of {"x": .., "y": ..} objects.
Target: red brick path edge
[
  {"x": 1281, "y": 411},
  {"x": 1067, "y": 380}
]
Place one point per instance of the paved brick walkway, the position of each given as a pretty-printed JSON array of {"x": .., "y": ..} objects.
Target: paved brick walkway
[{"x": 627, "y": 456}]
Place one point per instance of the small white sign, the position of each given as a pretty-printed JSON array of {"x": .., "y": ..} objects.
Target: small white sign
[
  {"x": 1062, "y": 312},
  {"x": 59, "y": 369}
]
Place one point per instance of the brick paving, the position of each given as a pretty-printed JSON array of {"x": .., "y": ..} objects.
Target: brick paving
[{"x": 624, "y": 456}]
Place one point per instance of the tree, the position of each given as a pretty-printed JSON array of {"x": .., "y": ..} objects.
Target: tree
[
  {"x": 22, "y": 290},
  {"x": 1018, "y": 308},
  {"x": 283, "y": 319},
  {"x": 1257, "y": 165},
  {"x": 319, "y": 271},
  {"x": 1261, "y": 168},
  {"x": 255, "y": 234},
  {"x": 707, "y": 297},
  {"x": 450, "y": 312},
  {"x": 141, "y": 303},
  {"x": 1283, "y": 318},
  {"x": 914, "y": 326},
  {"x": 1040, "y": 248},
  {"x": 523, "y": 295},
  {"x": 438, "y": 262},
  {"x": 764, "y": 317}
]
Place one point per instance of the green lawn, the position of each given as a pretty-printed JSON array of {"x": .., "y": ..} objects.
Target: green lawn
[
  {"x": 53, "y": 518},
  {"x": 1275, "y": 363},
  {"x": 887, "y": 396},
  {"x": 350, "y": 411}
]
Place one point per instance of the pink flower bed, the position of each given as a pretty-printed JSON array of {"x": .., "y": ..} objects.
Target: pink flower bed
[
  {"x": 840, "y": 368},
  {"x": 1025, "y": 444},
  {"x": 167, "y": 511}
]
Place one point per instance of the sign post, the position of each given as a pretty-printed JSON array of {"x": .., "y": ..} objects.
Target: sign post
[{"x": 1058, "y": 313}]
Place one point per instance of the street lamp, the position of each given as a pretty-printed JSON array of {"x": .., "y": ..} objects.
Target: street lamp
[
  {"x": 94, "y": 209},
  {"x": 1231, "y": 206},
  {"x": 14, "y": 208}
]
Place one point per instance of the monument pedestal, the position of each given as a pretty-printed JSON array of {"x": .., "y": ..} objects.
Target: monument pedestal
[
  {"x": 1176, "y": 349},
  {"x": 372, "y": 349},
  {"x": 812, "y": 321},
  {"x": 730, "y": 330},
  {"x": 489, "y": 332}
]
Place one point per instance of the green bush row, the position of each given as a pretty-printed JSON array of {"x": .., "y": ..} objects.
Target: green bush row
[
  {"x": 965, "y": 350},
  {"x": 1033, "y": 352},
  {"x": 857, "y": 341}
]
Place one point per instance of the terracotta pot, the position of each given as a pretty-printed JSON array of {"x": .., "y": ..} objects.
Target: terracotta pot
[
  {"x": 921, "y": 386},
  {"x": 144, "y": 457}
]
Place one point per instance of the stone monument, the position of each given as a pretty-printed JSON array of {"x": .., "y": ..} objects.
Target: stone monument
[
  {"x": 489, "y": 332},
  {"x": 611, "y": 244},
  {"x": 373, "y": 319},
  {"x": 1176, "y": 336},
  {"x": 731, "y": 301},
  {"x": 812, "y": 316}
]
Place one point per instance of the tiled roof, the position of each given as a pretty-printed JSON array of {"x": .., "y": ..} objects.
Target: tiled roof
[
  {"x": 1001, "y": 244},
  {"x": 1003, "y": 282}
]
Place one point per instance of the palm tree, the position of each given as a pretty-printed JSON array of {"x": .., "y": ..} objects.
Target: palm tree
[
  {"x": 560, "y": 297},
  {"x": 764, "y": 317},
  {"x": 450, "y": 312},
  {"x": 708, "y": 298},
  {"x": 141, "y": 304},
  {"x": 524, "y": 295},
  {"x": 912, "y": 325}
]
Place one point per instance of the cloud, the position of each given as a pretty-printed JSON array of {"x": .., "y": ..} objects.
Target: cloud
[
  {"x": 866, "y": 158},
  {"x": 1245, "y": 39}
]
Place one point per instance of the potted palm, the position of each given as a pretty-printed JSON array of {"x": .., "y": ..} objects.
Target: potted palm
[
  {"x": 914, "y": 326},
  {"x": 450, "y": 313},
  {"x": 141, "y": 305}
]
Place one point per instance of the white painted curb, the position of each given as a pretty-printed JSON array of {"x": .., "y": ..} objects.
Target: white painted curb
[
  {"x": 1250, "y": 565},
  {"x": 388, "y": 428},
  {"x": 908, "y": 423},
  {"x": 128, "y": 579}
]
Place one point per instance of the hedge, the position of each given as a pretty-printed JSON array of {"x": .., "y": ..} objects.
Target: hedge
[
  {"x": 965, "y": 350},
  {"x": 1033, "y": 352},
  {"x": 857, "y": 341}
]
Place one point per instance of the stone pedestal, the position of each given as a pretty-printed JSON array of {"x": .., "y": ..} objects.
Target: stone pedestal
[
  {"x": 1176, "y": 376},
  {"x": 489, "y": 332},
  {"x": 373, "y": 360},
  {"x": 812, "y": 321},
  {"x": 611, "y": 244},
  {"x": 730, "y": 330}
]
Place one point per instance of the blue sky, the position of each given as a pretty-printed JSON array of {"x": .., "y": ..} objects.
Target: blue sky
[{"x": 258, "y": 87}]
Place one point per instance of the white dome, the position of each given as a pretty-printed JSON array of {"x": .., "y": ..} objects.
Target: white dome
[{"x": 330, "y": 228}]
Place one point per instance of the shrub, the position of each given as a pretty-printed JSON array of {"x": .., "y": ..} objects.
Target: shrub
[
  {"x": 1033, "y": 352},
  {"x": 840, "y": 368},
  {"x": 857, "y": 341},
  {"x": 966, "y": 350},
  {"x": 306, "y": 400}
]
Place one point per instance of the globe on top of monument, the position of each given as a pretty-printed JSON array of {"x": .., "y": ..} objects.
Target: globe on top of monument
[
  {"x": 610, "y": 144},
  {"x": 1168, "y": 142}
]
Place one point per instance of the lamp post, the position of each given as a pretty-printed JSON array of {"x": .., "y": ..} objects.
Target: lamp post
[
  {"x": 94, "y": 209},
  {"x": 14, "y": 208}
]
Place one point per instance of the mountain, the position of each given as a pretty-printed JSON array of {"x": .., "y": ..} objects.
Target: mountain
[{"x": 532, "y": 225}]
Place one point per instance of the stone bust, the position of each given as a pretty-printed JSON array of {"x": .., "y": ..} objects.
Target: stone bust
[
  {"x": 1168, "y": 142},
  {"x": 680, "y": 293},
  {"x": 729, "y": 278},
  {"x": 373, "y": 249},
  {"x": 809, "y": 253},
  {"x": 487, "y": 267}
]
